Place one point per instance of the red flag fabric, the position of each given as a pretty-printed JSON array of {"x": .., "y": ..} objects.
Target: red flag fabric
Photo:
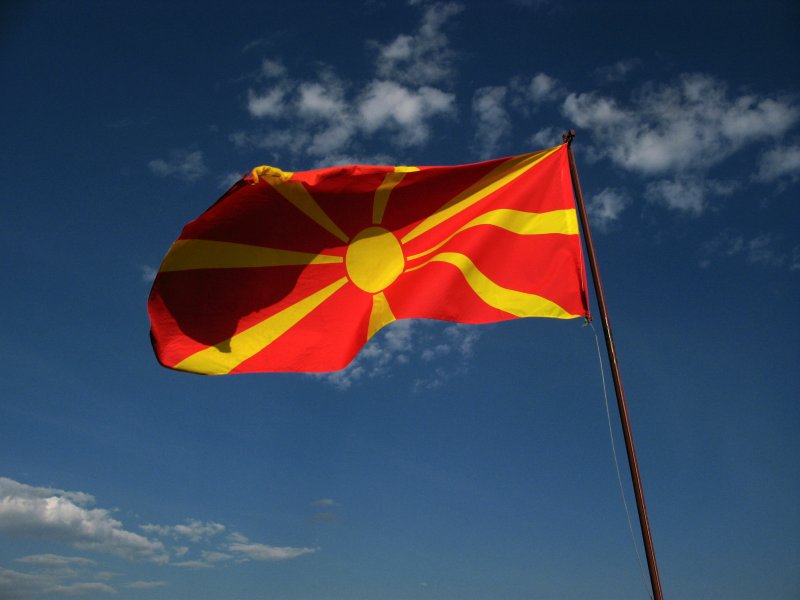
[{"x": 297, "y": 271}]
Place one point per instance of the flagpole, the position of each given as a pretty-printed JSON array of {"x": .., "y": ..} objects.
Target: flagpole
[{"x": 633, "y": 462}]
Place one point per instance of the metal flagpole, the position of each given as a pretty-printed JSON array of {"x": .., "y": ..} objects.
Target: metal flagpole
[{"x": 644, "y": 522}]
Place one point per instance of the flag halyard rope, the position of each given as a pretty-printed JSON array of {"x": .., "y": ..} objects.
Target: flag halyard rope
[{"x": 616, "y": 460}]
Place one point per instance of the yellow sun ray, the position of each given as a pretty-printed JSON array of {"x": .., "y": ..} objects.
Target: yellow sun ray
[
  {"x": 519, "y": 304},
  {"x": 228, "y": 354},
  {"x": 519, "y": 222},
  {"x": 381, "y": 314},
  {"x": 206, "y": 254},
  {"x": 499, "y": 177},
  {"x": 384, "y": 189},
  {"x": 296, "y": 193}
]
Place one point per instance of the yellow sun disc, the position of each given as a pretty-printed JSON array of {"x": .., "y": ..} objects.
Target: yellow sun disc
[{"x": 374, "y": 259}]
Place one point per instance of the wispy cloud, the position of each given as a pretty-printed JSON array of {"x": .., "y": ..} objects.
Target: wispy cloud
[
  {"x": 55, "y": 560},
  {"x": 404, "y": 112},
  {"x": 546, "y": 137},
  {"x": 761, "y": 250},
  {"x": 213, "y": 543},
  {"x": 780, "y": 163},
  {"x": 327, "y": 119},
  {"x": 444, "y": 349},
  {"x": 423, "y": 57},
  {"x": 392, "y": 346},
  {"x": 182, "y": 164},
  {"x": 50, "y": 582},
  {"x": 539, "y": 89},
  {"x": 457, "y": 344},
  {"x": 493, "y": 123},
  {"x": 254, "y": 551},
  {"x": 605, "y": 208},
  {"x": 617, "y": 71},
  {"x": 148, "y": 273},
  {"x": 326, "y": 502},
  {"x": 145, "y": 585},
  {"x": 688, "y": 194},
  {"x": 194, "y": 530}
]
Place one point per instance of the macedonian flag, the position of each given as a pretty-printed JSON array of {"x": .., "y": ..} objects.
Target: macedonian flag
[{"x": 297, "y": 271}]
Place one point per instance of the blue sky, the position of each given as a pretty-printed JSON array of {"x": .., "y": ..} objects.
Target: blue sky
[{"x": 448, "y": 461}]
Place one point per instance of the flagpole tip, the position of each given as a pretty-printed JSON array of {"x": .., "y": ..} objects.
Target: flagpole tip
[{"x": 568, "y": 137}]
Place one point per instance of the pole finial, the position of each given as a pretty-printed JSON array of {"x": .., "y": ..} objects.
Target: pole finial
[{"x": 568, "y": 137}]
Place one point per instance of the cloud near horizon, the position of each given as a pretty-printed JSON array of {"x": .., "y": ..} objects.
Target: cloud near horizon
[{"x": 69, "y": 518}]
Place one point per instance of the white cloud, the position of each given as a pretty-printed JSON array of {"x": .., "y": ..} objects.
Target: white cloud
[
  {"x": 272, "y": 69},
  {"x": 689, "y": 125},
  {"x": 270, "y": 103},
  {"x": 228, "y": 179},
  {"x": 182, "y": 164},
  {"x": 198, "y": 530},
  {"x": 761, "y": 251},
  {"x": 145, "y": 585},
  {"x": 592, "y": 110},
  {"x": 80, "y": 589},
  {"x": 605, "y": 208},
  {"x": 462, "y": 338},
  {"x": 493, "y": 122},
  {"x": 59, "y": 516},
  {"x": 324, "y": 502},
  {"x": 212, "y": 550},
  {"x": 327, "y": 118},
  {"x": 546, "y": 138},
  {"x": 254, "y": 551},
  {"x": 687, "y": 194},
  {"x": 323, "y": 99},
  {"x": 780, "y": 162},
  {"x": 526, "y": 95},
  {"x": 399, "y": 339},
  {"x": 55, "y": 560},
  {"x": 194, "y": 564},
  {"x": 16, "y": 584},
  {"x": 399, "y": 342},
  {"x": 435, "y": 352},
  {"x": 459, "y": 342},
  {"x": 148, "y": 273},
  {"x": 543, "y": 88},
  {"x": 65, "y": 517},
  {"x": 402, "y": 110},
  {"x": 392, "y": 345},
  {"x": 235, "y": 536},
  {"x": 319, "y": 121},
  {"x": 423, "y": 58},
  {"x": 214, "y": 557}
]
